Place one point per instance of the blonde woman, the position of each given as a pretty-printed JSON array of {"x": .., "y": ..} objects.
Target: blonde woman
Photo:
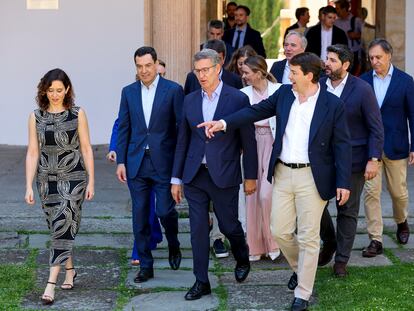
[{"x": 261, "y": 85}]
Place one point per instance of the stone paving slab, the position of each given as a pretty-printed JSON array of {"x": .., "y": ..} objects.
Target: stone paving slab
[
  {"x": 260, "y": 278},
  {"x": 278, "y": 263},
  {"x": 168, "y": 279},
  {"x": 362, "y": 240},
  {"x": 11, "y": 240},
  {"x": 163, "y": 253},
  {"x": 85, "y": 300},
  {"x": 169, "y": 301},
  {"x": 86, "y": 257},
  {"x": 274, "y": 298},
  {"x": 13, "y": 256},
  {"x": 406, "y": 255},
  {"x": 184, "y": 238},
  {"x": 88, "y": 277},
  {"x": 357, "y": 260},
  {"x": 410, "y": 243},
  {"x": 185, "y": 263}
]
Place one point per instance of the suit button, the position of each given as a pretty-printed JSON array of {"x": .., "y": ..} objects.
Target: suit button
[
  {"x": 322, "y": 144},
  {"x": 206, "y": 141}
]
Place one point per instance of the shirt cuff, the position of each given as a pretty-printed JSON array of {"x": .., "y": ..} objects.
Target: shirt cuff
[
  {"x": 224, "y": 124},
  {"x": 176, "y": 181}
]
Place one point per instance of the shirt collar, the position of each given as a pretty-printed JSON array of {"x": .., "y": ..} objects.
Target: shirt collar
[
  {"x": 153, "y": 84},
  {"x": 389, "y": 74},
  {"x": 243, "y": 29},
  {"x": 343, "y": 82},
  {"x": 312, "y": 98},
  {"x": 216, "y": 92}
]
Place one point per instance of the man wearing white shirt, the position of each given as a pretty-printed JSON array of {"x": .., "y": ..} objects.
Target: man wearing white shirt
[
  {"x": 294, "y": 43},
  {"x": 325, "y": 34},
  {"x": 149, "y": 115},
  {"x": 367, "y": 138},
  {"x": 310, "y": 164}
]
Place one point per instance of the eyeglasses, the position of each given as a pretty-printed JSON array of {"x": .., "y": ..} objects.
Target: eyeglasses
[{"x": 203, "y": 71}]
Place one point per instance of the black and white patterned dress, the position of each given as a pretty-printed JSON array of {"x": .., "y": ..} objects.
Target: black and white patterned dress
[{"x": 61, "y": 178}]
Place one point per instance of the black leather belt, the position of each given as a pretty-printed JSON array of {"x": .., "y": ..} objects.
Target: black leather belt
[
  {"x": 295, "y": 165},
  {"x": 147, "y": 152}
]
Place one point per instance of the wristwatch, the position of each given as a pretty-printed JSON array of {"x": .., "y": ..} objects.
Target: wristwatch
[{"x": 374, "y": 159}]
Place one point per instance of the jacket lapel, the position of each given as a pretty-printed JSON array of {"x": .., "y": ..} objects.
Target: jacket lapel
[
  {"x": 285, "y": 110},
  {"x": 138, "y": 104},
  {"x": 321, "y": 110},
  {"x": 158, "y": 100},
  {"x": 349, "y": 86}
]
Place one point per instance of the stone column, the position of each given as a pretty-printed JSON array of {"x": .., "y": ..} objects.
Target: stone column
[{"x": 173, "y": 29}]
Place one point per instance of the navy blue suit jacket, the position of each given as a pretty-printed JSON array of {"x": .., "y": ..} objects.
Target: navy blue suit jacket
[
  {"x": 329, "y": 141},
  {"x": 278, "y": 69},
  {"x": 314, "y": 38},
  {"x": 161, "y": 134},
  {"x": 223, "y": 150},
  {"x": 396, "y": 109},
  {"x": 364, "y": 121},
  {"x": 252, "y": 38},
  {"x": 229, "y": 78}
]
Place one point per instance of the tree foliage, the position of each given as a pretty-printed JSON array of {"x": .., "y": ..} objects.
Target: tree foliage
[{"x": 262, "y": 16}]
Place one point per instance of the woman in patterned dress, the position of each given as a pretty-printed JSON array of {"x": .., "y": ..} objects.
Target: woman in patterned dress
[{"x": 60, "y": 155}]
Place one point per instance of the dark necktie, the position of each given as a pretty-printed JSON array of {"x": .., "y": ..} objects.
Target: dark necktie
[{"x": 236, "y": 45}]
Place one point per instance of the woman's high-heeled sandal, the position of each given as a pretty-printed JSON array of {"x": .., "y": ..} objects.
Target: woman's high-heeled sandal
[
  {"x": 47, "y": 299},
  {"x": 67, "y": 286}
]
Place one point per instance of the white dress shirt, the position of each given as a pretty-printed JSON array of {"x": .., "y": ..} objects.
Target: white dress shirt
[
  {"x": 296, "y": 137},
  {"x": 286, "y": 72},
  {"x": 381, "y": 84},
  {"x": 147, "y": 95},
  {"x": 336, "y": 90},
  {"x": 326, "y": 40}
]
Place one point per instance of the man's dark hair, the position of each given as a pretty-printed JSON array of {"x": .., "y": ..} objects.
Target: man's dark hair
[
  {"x": 308, "y": 62},
  {"x": 328, "y": 9},
  {"x": 217, "y": 45},
  {"x": 300, "y": 12},
  {"x": 343, "y": 4},
  {"x": 215, "y": 23},
  {"x": 343, "y": 52},
  {"x": 384, "y": 44},
  {"x": 245, "y": 8},
  {"x": 231, "y": 3},
  {"x": 144, "y": 50}
]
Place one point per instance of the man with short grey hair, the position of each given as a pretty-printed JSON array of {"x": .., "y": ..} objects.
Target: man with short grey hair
[
  {"x": 294, "y": 43},
  {"x": 210, "y": 169},
  {"x": 394, "y": 91}
]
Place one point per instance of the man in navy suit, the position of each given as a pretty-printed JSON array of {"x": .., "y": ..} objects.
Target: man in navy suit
[
  {"x": 191, "y": 82},
  {"x": 243, "y": 34},
  {"x": 215, "y": 31},
  {"x": 149, "y": 115},
  {"x": 310, "y": 164},
  {"x": 325, "y": 34},
  {"x": 293, "y": 44},
  {"x": 367, "y": 139},
  {"x": 210, "y": 168},
  {"x": 394, "y": 91}
]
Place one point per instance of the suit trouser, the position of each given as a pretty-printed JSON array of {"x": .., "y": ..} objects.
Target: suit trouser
[
  {"x": 140, "y": 189},
  {"x": 395, "y": 172},
  {"x": 199, "y": 193},
  {"x": 346, "y": 221},
  {"x": 296, "y": 203}
]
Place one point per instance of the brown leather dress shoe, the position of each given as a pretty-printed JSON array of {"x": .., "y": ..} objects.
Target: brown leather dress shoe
[
  {"x": 403, "y": 232},
  {"x": 374, "y": 248},
  {"x": 340, "y": 269}
]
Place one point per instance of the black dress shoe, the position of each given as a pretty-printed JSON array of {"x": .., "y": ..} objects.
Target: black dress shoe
[
  {"x": 174, "y": 258},
  {"x": 293, "y": 281},
  {"x": 325, "y": 255},
  {"x": 403, "y": 232},
  {"x": 144, "y": 275},
  {"x": 241, "y": 272},
  {"x": 197, "y": 290},
  {"x": 299, "y": 304},
  {"x": 374, "y": 248}
]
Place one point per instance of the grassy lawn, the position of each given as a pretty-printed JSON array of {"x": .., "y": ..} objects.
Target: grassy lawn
[{"x": 371, "y": 288}]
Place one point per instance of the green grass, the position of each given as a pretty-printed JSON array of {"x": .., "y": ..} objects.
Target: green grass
[
  {"x": 16, "y": 281},
  {"x": 371, "y": 288}
]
